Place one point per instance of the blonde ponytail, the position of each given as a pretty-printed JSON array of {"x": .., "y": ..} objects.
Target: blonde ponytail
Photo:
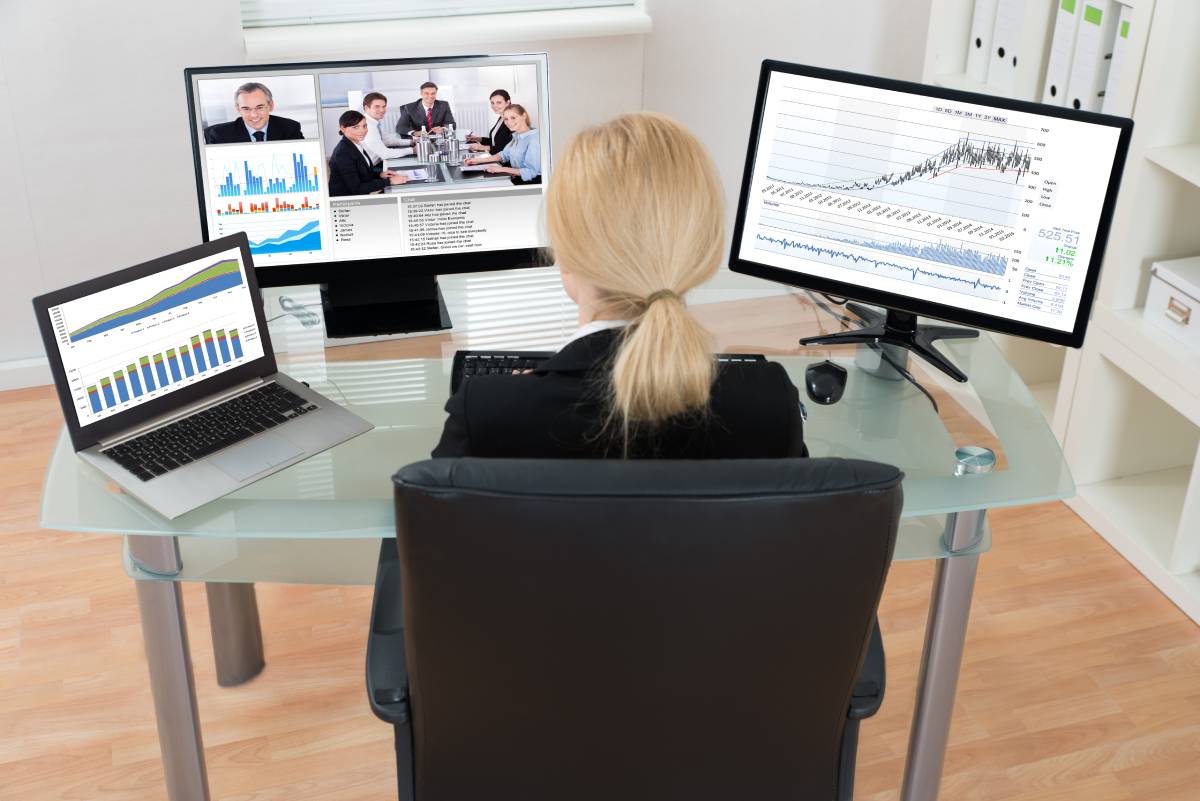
[{"x": 634, "y": 207}]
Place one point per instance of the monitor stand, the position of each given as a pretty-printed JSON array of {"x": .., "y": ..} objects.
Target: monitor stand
[
  {"x": 899, "y": 328},
  {"x": 398, "y": 305}
]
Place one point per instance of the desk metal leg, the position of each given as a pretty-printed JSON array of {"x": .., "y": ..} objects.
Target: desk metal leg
[
  {"x": 236, "y": 632},
  {"x": 945, "y": 636},
  {"x": 169, "y": 659}
]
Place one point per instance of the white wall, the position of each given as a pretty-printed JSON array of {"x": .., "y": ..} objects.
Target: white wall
[
  {"x": 95, "y": 157},
  {"x": 702, "y": 66}
]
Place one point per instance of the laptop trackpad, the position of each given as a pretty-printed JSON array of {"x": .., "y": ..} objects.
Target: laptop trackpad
[{"x": 253, "y": 457}]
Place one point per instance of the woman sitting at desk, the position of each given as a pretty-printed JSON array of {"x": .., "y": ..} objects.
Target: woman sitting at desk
[
  {"x": 352, "y": 168},
  {"x": 631, "y": 235},
  {"x": 522, "y": 157},
  {"x": 500, "y": 135},
  {"x": 635, "y": 218}
]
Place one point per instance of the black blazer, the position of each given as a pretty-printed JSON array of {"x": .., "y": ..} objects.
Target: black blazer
[
  {"x": 558, "y": 411},
  {"x": 412, "y": 116},
  {"x": 228, "y": 133},
  {"x": 500, "y": 137},
  {"x": 349, "y": 173}
]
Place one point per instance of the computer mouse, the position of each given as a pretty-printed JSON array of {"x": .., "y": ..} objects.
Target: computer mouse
[{"x": 825, "y": 382}]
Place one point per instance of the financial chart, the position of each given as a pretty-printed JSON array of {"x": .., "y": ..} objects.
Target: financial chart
[
  {"x": 144, "y": 339},
  {"x": 955, "y": 203},
  {"x": 273, "y": 192}
]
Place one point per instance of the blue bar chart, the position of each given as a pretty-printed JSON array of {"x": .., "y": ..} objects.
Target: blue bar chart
[
  {"x": 269, "y": 177},
  {"x": 166, "y": 368}
]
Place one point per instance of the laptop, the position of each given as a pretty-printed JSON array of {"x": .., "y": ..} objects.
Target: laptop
[{"x": 168, "y": 382}]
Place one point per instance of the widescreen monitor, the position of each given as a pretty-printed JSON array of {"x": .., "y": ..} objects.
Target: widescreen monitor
[
  {"x": 973, "y": 209},
  {"x": 272, "y": 160}
]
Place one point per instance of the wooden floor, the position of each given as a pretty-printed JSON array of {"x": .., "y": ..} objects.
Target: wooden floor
[{"x": 1080, "y": 680}]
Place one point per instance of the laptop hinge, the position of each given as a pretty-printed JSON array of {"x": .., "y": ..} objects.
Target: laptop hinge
[{"x": 179, "y": 414}]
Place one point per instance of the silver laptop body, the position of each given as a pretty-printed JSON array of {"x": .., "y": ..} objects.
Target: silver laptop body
[{"x": 105, "y": 417}]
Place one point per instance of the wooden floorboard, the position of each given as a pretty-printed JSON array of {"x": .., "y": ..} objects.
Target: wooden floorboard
[{"x": 1080, "y": 680}]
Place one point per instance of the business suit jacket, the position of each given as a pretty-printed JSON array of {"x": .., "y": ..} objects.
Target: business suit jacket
[
  {"x": 558, "y": 411},
  {"x": 228, "y": 133},
  {"x": 412, "y": 116},
  {"x": 500, "y": 136},
  {"x": 349, "y": 173}
]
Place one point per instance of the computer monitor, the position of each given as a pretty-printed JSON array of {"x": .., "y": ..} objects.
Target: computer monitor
[
  {"x": 276, "y": 150},
  {"x": 973, "y": 209}
]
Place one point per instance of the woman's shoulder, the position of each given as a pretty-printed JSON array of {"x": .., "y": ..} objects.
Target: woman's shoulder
[{"x": 752, "y": 384}]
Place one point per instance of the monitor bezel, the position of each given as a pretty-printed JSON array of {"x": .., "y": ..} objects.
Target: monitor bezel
[
  {"x": 385, "y": 267},
  {"x": 925, "y": 308},
  {"x": 83, "y": 437}
]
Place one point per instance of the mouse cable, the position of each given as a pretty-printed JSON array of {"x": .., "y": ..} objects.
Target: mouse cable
[{"x": 891, "y": 362}]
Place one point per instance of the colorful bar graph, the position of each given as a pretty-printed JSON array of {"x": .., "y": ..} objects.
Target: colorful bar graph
[
  {"x": 134, "y": 384},
  {"x": 122, "y": 390},
  {"x": 173, "y": 363},
  {"x": 236, "y": 342},
  {"x": 224, "y": 344},
  {"x": 94, "y": 399},
  {"x": 147, "y": 376},
  {"x": 160, "y": 369},
  {"x": 255, "y": 185},
  {"x": 266, "y": 207},
  {"x": 210, "y": 348},
  {"x": 106, "y": 388},
  {"x": 200, "y": 365},
  {"x": 186, "y": 358}
]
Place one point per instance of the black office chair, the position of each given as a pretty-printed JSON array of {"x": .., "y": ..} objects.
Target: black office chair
[{"x": 632, "y": 630}]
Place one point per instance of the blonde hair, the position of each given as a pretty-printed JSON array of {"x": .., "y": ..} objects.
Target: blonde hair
[
  {"x": 519, "y": 109},
  {"x": 635, "y": 208}
]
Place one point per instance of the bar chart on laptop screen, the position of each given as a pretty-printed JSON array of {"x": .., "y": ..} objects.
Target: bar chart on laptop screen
[
  {"x": 126, "y": 345},
  {"x": 957, "y": 203}
]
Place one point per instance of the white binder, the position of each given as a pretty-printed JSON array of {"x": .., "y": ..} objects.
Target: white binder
[
  {"x": 1062, "y": 50},
  {"x": 980, "y": 47},
  {"x": 1020, "y": 40},
  {"x": 1120, "y": 48},
  {"x": 1093, "y": 52}
]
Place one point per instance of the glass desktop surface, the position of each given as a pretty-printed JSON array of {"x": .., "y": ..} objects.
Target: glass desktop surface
[{"x": 345, "y": 493}]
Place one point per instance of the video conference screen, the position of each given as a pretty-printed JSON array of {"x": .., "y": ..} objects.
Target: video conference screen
[
  {"x": 340, "y": 162},
  {"x": 969, "y": 206}
]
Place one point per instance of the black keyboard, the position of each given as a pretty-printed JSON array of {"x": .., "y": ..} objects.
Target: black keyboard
[
  {"x": 480, "y": 362},
  {"x": 208, "y": 431}
]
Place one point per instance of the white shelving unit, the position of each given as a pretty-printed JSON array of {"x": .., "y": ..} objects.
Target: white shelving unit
[
  {"x": 1127, "y": 405},
  {"x": 1044, "y": 368},
  {"x": 1133, "y": 423}
]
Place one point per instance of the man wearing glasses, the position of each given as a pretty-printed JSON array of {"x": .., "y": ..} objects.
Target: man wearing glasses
[{"x": 254, "y": 104}]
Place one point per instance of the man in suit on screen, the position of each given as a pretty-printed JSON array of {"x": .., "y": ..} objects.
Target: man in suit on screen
[
  {"x": 429, "y": 112},
  {"x": 254, "y": 103}
]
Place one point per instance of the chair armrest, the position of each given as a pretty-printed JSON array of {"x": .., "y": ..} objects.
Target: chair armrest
[
  {"x": 387, "y": 670},
  {"x": 872, "y": 679}
]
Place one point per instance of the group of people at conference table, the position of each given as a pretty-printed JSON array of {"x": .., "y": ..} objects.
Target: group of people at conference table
[
  {"x": 356, "y": 166},
  {"x": 638, "y": 378}
]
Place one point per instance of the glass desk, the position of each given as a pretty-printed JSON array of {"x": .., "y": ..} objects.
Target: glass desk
[{"x": 320, "y": 521}]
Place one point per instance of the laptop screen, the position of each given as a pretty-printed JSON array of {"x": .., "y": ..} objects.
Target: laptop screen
[{"x": 149, "y": 337}]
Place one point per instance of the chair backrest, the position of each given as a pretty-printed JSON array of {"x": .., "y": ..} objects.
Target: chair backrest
[{"x": 610, "y": 630}]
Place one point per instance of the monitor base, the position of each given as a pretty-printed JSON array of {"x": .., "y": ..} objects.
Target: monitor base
[
  {"x": 899, "y": 328},
  {"x": 393, "y": 306}
]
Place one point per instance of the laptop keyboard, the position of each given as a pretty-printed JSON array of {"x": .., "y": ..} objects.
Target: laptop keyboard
[
  {"x": 468, "y": 363},
  {"x": 208, "y": 431}
]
